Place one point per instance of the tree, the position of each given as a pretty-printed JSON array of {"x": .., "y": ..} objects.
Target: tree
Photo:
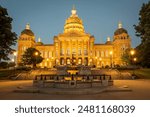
[
  {"x": 11, "y": 64},
  {"x": 31, "y": 57},
  {"x": 7, "y": 37},
  {"x": 143, "y": 31},
  {"x": 3, "y": 65},
  {"x": 127, "y": 58}
]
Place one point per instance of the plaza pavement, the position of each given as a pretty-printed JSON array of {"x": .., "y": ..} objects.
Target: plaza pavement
[{"x": 140, "y": 90}]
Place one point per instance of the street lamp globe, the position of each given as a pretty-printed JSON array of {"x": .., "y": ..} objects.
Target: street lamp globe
[
  {"x": 132, "y": 52},
  {"x": 134, "y": 59},
  {"x": 36, "y": 53},
  {"x": 15, "y": 53},
  {"x": 13, "y": 60}
]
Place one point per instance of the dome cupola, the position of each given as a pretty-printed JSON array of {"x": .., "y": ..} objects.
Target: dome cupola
[
  {"x": 120, "y": 30},
  {"x": 27, "y": 31},
  {"x": 73, "y": 24}
]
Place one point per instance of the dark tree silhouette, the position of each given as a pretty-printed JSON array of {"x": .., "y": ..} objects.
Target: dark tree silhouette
[
  {"x": 7, "y": 37},
  {"x": 143, "y": 31},
  {"x": 31, "y": 57}
]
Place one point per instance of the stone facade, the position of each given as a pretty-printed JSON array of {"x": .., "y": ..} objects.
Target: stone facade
[{"x": 76, "y": 47}]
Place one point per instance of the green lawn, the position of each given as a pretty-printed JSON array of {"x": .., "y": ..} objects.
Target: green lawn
[
  {"x": 4, "y": 73},
  {"x": 143, "y": 73}
]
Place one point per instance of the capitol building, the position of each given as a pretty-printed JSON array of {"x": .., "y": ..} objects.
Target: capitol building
[{"x": 76, "y": 47}]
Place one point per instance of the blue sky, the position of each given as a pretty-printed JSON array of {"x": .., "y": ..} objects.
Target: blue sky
[{"x": 100, "y": 17}]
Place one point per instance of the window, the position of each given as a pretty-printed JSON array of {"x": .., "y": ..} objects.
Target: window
[
  {"x": 68, "y": 51},
  {"x": 41, "y": 53},
  {"x": 79, "y": 51},
  {"x": 68, "y": 61},
  {"x": 46, "y": 54},
  {"x": 45, "y": 64},
  {"x": 73, "y": 51},
  {"x": 62, "y": 51},
  {"x": 85, "y": 51},
  {"x": 97, "y": 54},
  {"x": 106, "y": 53},
  {"x": 102, "y": 53},
  {"x": 79, "y": 61}
]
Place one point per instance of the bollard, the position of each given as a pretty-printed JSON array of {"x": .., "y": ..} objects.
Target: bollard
[
  {"x": 41, "y": 77},
  {"x": 45, "y": 77},
  {"x": 35, "y": 77},
  {"x": 104, "y": 77},
  {"x": 110, "y": 77},
  {"x": 72, "y": 77}
]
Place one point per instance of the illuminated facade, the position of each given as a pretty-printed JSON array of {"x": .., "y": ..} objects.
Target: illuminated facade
[{"x": 76, "y": 47}]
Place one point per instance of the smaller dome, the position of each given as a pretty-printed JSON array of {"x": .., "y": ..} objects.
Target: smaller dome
[
  {"x": 39, "y": 43},
  {"x": 108, "y": 43},
  {"x": 27, "y": 32},
  {"x": 120, "y": 31}
]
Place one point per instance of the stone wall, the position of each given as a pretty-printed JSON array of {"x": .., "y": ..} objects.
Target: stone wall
[{"x": 72, "y": 84}]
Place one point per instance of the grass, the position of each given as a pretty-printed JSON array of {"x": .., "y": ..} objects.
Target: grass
[
  {"x": 143, "y": 73},
  {"x": 5, "y": 73},
  {"x": 140, "y": 73}
]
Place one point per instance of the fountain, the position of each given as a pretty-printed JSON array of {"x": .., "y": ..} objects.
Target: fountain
[{"x": 72, "y": 77}]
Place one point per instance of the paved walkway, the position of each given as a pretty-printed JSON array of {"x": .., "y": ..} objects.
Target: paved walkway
[{"x": 140, "y": 90}]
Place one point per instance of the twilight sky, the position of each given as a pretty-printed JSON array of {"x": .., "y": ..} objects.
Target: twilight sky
[{"x": 100, "y": 17}]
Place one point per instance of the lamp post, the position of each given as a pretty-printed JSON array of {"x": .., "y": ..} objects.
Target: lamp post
[
  {"x": 14, "y": 60},
  {"x": 134, "y": 60},
  {"x": 132, "y": 52},
  {"x": 111, "y": 53}
]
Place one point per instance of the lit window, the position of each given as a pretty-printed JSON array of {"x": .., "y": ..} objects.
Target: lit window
[
  {"x": 45, "y": 54},
  {"x": 97, "y": 54},
  {"x": 79, "y": 51},
  {"x": 68, "y": 51},
  {"x": 85, "y": 52},
  {"x": 62, "y": 52},
  {"x": 102, "y": 53},
  {"x": 106, "y": 53},
  {"x": 73, "y": 51}
]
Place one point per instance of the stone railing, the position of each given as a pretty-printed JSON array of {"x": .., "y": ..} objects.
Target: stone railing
[{"x": 72, "y": 81}]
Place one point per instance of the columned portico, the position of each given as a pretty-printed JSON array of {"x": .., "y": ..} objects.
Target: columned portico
[{"x": 74, "y": 45}]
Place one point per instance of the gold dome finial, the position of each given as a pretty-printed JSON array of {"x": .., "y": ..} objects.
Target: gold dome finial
[
  {"x": 120, "y": 24},
  {"x": 39, "y": 39},
  {"x": 28, "y": 26},
  {"x": 108, "y": 38},
  {"x": 74, "y": 11}
]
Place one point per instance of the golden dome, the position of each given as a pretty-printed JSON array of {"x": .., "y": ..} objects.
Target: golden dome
[{"x": 74, "y": 23}]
